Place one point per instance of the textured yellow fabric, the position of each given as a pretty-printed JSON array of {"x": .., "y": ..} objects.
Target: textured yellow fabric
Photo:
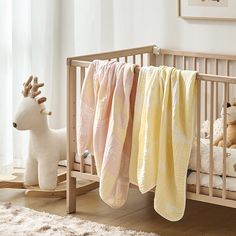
[{"x": 163, "y": 132}]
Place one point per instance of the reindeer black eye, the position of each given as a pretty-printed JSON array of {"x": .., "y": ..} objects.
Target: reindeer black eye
[{"x": 228, "y": 105}]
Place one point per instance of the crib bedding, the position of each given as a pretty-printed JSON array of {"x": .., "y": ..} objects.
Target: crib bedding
[
  {"x": 191, "y": 179},
  {"x": 217, "y": 171},
  {"x": 217, "y": 159},
  {"x": 163, "y": 94},
  {"x": 217, "y": 181},
  {"x": 105, "y": 116}
]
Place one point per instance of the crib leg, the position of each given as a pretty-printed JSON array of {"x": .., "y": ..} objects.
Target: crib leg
[
  {"x": 71, "y": 195},
  {"x": 73, "y": 192}
]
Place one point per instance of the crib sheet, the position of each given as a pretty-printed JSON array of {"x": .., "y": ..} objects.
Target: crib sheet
[
  {"x": 217, "y": 159},
  {"x": 217, "y": 181}
]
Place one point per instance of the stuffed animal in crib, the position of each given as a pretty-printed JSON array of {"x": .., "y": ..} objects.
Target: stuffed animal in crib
[
  {"x": 46, "y": 146},
  {"x": 231, "y": 127},
  {"x": 217, "y": 128}
]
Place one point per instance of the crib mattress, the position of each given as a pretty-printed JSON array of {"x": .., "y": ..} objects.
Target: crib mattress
[
  {"x": 217, "y": 159},
  {"x": 191, "y": 179},
  {"x": 205, "y": 153},
  {"x": 217, "y": 181}
]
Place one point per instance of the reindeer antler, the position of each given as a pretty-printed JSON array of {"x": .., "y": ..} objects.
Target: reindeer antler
[
  {"x": 27, "y": 87},
  {"x": 32, "y": 90}
]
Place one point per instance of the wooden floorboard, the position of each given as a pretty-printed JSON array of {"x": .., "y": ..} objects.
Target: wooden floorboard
[{"x": 200, "y": 218}]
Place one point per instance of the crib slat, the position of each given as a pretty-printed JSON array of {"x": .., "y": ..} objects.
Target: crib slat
[
  {"x": 82, "y": 164},
  {"x": 92, "y": 165},
  {"x": 194, "y": 63},
  {"x": 163, "y": 59},
  {"x": 211, "y": 166},
  {"x": 224, "y": 139},
  {"x": 184, "y": 62},
  {"x": 217, "y": 101},
  {"x": 173, "y": 60},
  {"x": 227, "y": 67},
  {"x": 198, "y": 136},
  {"x": 217, "y": 91},
  {"x": 151, "y": 59},
  {"x": 206, "y": 84},
  {"x": 82, "y": 75},
  {"x": 141, "y": 58},
  {"x": 206, "y": 105},
  {"x": 118, "y": 59},
  {"x": 126, "y": 59},
  {"x": 227, "y": 73},
  {"x": 134, "y": 59}
]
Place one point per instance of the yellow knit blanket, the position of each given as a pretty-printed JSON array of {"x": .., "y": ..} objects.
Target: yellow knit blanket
[{"x": 163, "y": 132}]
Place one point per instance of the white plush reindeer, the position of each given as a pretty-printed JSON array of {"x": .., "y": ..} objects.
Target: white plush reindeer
[{"x": 46, "y": 146}]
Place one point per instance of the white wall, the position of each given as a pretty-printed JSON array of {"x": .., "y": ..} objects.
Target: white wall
[
  {"x": 89, "y": 26},
  {"x": 128, "y": 23},
  {"x": 104, "y": 25}
]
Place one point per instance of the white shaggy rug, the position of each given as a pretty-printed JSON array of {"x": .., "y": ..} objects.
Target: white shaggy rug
[{"x": 22, "y": 221}]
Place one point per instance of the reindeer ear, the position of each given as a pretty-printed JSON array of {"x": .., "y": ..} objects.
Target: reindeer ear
[{"x": 42, "y": 100}]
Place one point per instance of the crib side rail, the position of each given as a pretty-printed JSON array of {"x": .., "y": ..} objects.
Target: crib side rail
[
  {"x": 216, "y": 86},
  {"x": 211, "y": 194},
  {"x": 115, "y": 54}
]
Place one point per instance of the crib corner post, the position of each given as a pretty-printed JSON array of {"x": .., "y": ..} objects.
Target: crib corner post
[
  {"x": 71, "y": 137},
  {"x": 152, "y": 59},
  {"x": 198, "y": 126}
]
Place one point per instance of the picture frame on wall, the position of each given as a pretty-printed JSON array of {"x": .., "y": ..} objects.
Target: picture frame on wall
[{"x": 207, "y": 9}]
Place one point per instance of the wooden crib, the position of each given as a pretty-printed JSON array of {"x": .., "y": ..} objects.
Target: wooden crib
[{"x": 216, "y": 81}]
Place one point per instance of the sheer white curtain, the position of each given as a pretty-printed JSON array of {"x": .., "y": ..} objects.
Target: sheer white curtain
[
  {"x": 5, "y": 83},
  {"x": 35, "y": 38},
  {"x": 29, "y": 44}
]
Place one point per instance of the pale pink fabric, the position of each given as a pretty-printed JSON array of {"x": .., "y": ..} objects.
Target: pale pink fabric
[{"x": 105, "y": 125}]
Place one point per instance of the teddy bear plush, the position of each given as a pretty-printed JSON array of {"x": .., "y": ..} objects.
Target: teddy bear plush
[
  {"x": 231, "y": 127},
  {"x": 46, "y": 146}
]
